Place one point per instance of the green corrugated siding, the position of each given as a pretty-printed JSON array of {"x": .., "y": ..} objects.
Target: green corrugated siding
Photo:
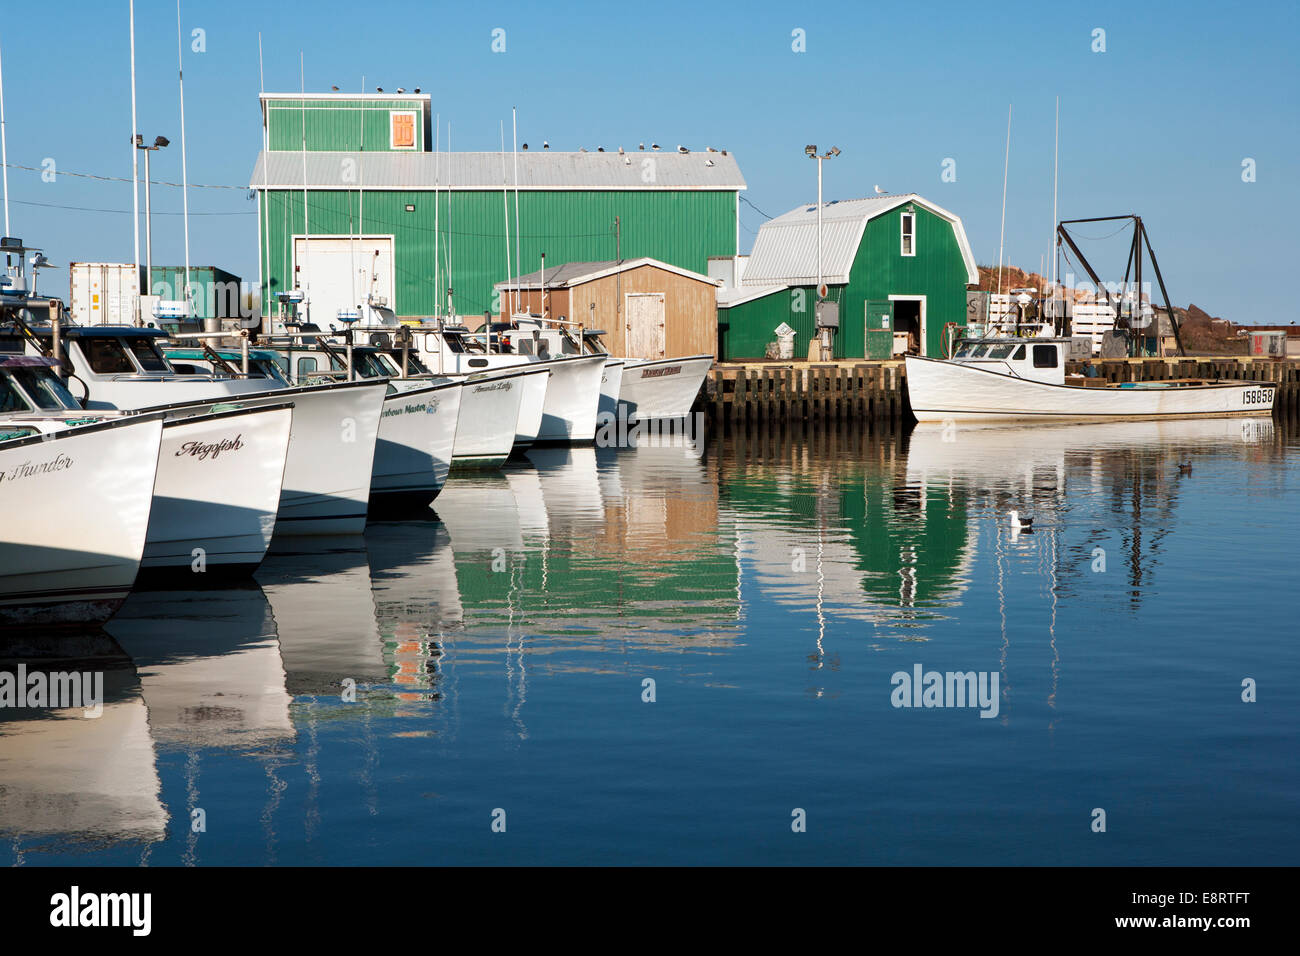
[
  {"x": 937, "y": 272},
  {"x": 683, "y": 228},
  {"x": 745, "y": 330},
  {"x": 340, "y": 124}
]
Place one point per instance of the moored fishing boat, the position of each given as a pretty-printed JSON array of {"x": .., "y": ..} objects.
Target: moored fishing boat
[
  {"x": 1023, "y": 379},
  {"x": 75, "y": 506}
]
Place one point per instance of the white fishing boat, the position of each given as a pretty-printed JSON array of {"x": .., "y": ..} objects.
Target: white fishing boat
[
  {"x": 220, "y": 469},
  {"x": 572, "y": 397},
  {"x": 646, "y": 388},
  {"x": 76, "y": 506},
  {"x": 1024, "y": 379}
]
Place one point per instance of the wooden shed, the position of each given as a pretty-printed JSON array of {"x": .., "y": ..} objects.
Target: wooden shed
[{"x": 648, "y": 308}]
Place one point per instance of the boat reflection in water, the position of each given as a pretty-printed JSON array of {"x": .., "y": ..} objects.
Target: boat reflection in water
[
  {"x": 71, "y": 780},
  {"x": 505, "y": 635}
]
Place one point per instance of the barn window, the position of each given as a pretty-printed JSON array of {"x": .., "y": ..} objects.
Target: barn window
[
  {"x": 908, "y": 247},
  {"x": 402, "y": 129}
]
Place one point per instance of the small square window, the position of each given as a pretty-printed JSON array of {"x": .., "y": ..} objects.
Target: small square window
[
  {"x": 908, "y": 244},
  {"x": 1044, "y": 356}
]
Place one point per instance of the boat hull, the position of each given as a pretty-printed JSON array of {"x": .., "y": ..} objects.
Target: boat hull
[
  {"x": 326, "y": 487},
  {"x": 489, "y": 416},
  {"x": 217, "y": 493},
  {"x": 76, "y": 506},
  {"x": 941, "y": 391},
  {"x": 417, "y": 438},
  {"x": 663, "y": 388},
  {"x": 572, "y": 400}
]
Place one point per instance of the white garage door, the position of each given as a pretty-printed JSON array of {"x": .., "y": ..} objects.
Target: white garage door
[{"x": 343, "y": 274}]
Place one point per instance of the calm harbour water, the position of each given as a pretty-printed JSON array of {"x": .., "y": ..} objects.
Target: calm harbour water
[{"x": 769, "y": 586}]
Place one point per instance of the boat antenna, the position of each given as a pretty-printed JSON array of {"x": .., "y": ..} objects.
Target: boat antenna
[
  {"x": 451, "y": 302},
  {"x": 1056, "y": 174},
  {"x": 306, "y": 223},
  {"x": 4, "y": 150},
  {"x": 437, "y": 160},
  {"x": 264, "y": 237},
  {"x": 1006, "y": 165},
  {"x": 505, "y": 209},
  {"x": 185, "y": 198},
  {"x": 514, "y": 124},
  {"x": 135, "y": 176}
]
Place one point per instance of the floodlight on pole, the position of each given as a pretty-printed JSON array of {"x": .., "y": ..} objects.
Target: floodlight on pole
[{"x": 159, "y": 143}]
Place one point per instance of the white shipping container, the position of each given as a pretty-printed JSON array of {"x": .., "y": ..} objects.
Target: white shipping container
[{"x": 104, "y": 293}]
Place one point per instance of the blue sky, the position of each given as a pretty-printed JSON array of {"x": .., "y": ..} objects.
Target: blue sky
[{"x": 1159, "y": 124}]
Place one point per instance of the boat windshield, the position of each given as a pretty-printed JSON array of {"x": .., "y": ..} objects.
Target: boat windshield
[
  {"x": 413, "y": 364},
  {"x": 147, "y": 354},
  {"x": 1001, "y": 351},
  {"x": 11, "y": 399},
  {"x": 106, "y": 356},
  {"x": 268, "y": 369},
  {"x": 44, "y": 388},
  {"x": 364, "y": 365}
]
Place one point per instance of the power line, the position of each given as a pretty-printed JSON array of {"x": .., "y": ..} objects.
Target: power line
[
  {"x": 746, "y": 201},
  {"x": 121, "y": 212},
  {"x": 118, "y": 179}
]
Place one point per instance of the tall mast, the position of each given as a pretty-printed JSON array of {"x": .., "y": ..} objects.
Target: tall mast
[
  {"x": 505, "y": 209},
  {"x": 1006, "y": 165},
  {"x": 437, "y": 161},
  {"x": 185, "y": 197},
  {"x": 451, "y": 292},
  {"x": 135, "y": 175},
  {"x": 4, "y": 150},
  {"x": 306, "y": 222},
  {"x": 264, "y": 279},
  {"x": 519, "y": 239},
  {"x": 1056, "y": 172}
]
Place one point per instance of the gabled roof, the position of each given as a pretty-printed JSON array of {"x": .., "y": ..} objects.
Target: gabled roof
[
  {"x": 538, "y": 169},
  {"x": 576, "y": 273},
  {"x": 785, "y": 251}
]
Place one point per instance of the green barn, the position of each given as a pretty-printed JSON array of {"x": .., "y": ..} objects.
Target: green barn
[
  {"x": 898, "y": 267},
  {"x": 358, "y": 208}
]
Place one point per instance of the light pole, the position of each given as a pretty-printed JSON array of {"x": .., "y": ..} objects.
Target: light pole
[
  {"x": 158, "y": 143},
  {"x": 811, "y": 152}
]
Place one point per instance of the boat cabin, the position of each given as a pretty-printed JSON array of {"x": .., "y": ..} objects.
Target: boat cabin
[{"x": 1037, "y": 359}]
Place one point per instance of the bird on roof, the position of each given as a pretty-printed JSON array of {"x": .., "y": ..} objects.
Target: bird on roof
[
  {"x": 334, "y": 88},
  {"x": 708, "y": 162},
  {"x": 627, "y": 160},
  {"x": 682, "y": 149},
  {"x": 379, "y": 89},
  {"x": 545, "y": 145},
  {"x": 620, "y": 150},
  {"x": 654, "y": 145},
  {"x": 417, "y": 89},
  {"x": 525, "y": 145},
  {"x": 881, "y": 192},
  {"x": 600, "y": 149},
  {"x": 641, "y": 146},
  {"x": 401, "y": 89},
  {"x": 582, "y": 149}
]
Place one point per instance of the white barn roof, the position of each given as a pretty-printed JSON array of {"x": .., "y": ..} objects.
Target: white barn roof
[
  {"x": 785, "y": 251},
  {"x": 577, "y": 273},
  {"x": 546, "y": 169}
]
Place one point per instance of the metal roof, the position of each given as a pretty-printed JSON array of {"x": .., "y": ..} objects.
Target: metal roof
[
  {"x": 785, "y": 251},
  {"x": 483, "y": 171},
  {"x": 727, "y": 298},
  {"x": 576, "y": 273}
]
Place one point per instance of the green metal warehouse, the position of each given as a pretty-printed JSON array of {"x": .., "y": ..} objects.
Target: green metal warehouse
[
  {"x": 894, "y": 264},
  {"x": 393, "y": 223}
]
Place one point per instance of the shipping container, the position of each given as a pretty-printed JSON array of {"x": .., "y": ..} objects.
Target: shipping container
[{"x": 103, "y": 293}]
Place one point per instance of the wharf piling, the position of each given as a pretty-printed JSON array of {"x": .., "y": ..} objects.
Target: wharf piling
[{"x": 876, "y": 391}]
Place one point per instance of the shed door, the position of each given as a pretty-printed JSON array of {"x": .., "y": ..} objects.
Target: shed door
[
  {"x": 341, "y": 273},
  {"x": 645, "y": 325}
]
